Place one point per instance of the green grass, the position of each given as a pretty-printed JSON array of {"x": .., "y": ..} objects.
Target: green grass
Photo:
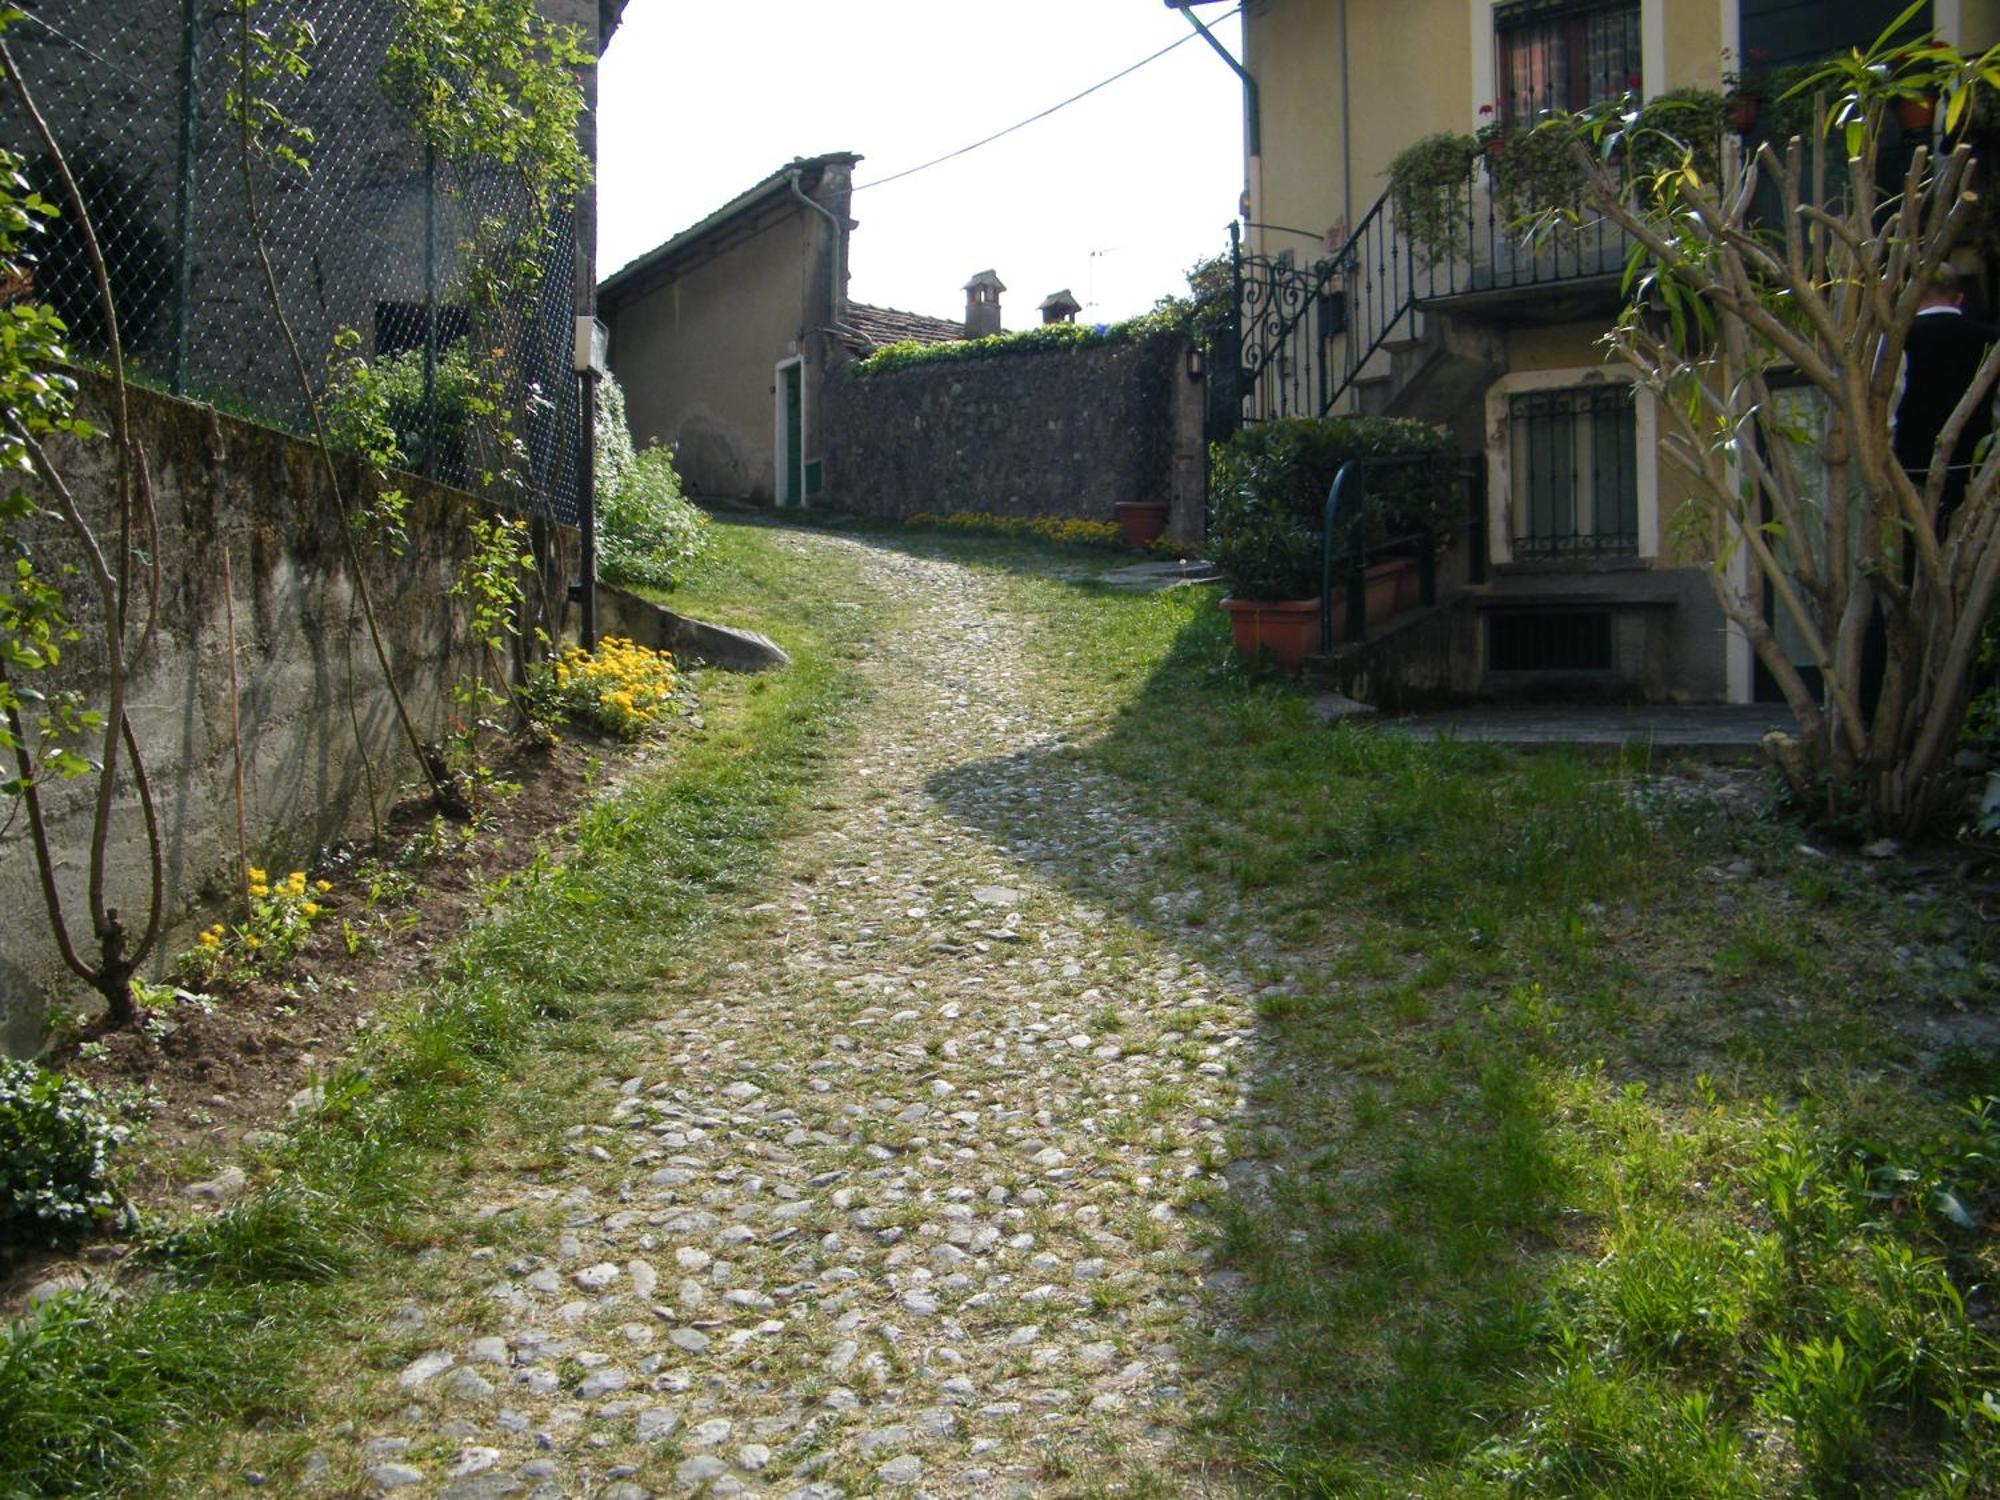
[
  {"x": 1603, "y": 1172},
  {"x": 111, "y": 1394}
]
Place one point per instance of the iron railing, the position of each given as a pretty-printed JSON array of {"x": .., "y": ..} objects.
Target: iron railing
[
  {"x": 1308, "y": 333},
  {"x": 1342, "y": 521}
]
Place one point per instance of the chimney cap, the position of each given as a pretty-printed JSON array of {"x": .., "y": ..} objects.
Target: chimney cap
[
  {"x": 1062, "y": 299},
  {"x": 985, "y": 278}
]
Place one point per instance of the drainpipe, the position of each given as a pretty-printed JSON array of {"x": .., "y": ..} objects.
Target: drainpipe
[
  {"x": 1253, "y": 142},
  {"x": 833, "y": 298},
  {"x": 1346, "y": 129}
]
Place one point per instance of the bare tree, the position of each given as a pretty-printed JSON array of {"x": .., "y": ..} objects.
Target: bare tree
[
  {"x": 33, "y": 411},
  {"x": 1730, "y": 310}
]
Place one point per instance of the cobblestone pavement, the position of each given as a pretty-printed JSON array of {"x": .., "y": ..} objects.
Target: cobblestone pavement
[{"x": 896, "y": 1199}]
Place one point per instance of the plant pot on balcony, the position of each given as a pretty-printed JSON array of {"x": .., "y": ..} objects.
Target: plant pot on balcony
[
  {"x": 1141, "y": 522},
  {"x": 1741, "y": 112},
  {"x": 1917, "y": 113},
  {"x": 1285, "y": 629}
]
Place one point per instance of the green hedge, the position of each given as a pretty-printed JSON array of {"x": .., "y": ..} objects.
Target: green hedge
[
  {"x": 1028, "y": 341},
  {"x": 1269, "y": 487}
]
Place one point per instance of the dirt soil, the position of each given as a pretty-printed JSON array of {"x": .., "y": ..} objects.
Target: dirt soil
[{"x": 221, "y": 1073}]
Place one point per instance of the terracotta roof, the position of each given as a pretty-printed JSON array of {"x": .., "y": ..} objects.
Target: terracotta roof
[{"x": 885, "y": 325}]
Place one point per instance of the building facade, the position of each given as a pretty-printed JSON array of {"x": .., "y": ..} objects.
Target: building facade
[{"x": 1580, "y": 587}]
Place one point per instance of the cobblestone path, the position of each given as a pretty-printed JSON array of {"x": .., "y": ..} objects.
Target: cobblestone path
[{"x": 893, "y": 1199}]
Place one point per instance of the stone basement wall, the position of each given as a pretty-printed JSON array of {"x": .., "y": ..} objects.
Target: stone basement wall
[
  {"x": 218, "y": 480},
  {"x": 1061, "y": 432}
]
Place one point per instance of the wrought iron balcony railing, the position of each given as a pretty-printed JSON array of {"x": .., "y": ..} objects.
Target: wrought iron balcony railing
[{"x": 1310, "y": 332}]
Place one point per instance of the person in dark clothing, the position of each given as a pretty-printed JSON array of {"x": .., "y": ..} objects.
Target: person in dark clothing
[{"x": 1940, "y": 358}]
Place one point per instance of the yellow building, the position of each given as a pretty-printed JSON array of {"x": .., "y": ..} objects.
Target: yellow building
[{"x": 1573, "y": 585}]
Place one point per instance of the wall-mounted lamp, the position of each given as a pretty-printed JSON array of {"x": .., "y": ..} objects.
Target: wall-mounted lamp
[{"x": 1197, "y": 363}]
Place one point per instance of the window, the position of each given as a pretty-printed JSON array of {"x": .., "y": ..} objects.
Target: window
[
  {"x": 1565, "y": 54},
  {"x": 401, "y": 326},
  {"x": 1574, "y": 471}
]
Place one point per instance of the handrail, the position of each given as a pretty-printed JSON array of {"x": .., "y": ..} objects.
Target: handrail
[{"x": 1356, "y": 624}]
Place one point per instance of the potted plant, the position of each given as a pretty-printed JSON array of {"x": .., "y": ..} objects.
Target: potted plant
[
  {"x": 1537, "y": 178},
  {"x": 1746, "y": 89},
  {"x": 1269, "y": 498},
  {"x": 1430, "y": 183},
  {"x": 1680, "y": 128}
]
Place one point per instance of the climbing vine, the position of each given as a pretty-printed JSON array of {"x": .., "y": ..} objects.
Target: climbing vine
[
  {"x": 489, "y": 581},
  {"x": 268, "y": 138},
  {"x": 493, "y": 86}
]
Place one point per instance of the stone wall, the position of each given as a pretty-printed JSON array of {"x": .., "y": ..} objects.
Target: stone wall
[
  {"x": 1061, "y": 432},
  {"x": 218, "y": 483}
]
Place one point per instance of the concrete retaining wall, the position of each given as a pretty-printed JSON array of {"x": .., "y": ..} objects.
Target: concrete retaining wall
[
  {"x": 222, "y": 482},
  {"x": 1062, "y": 432}
]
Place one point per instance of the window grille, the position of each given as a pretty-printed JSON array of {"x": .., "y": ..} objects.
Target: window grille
[
  {"x": 1549, "y": 640},
  {"x": 1574, "y": 469},
  {"x": 1566, "y": 56}
]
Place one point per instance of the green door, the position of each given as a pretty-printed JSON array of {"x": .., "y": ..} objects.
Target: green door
[{"x": 794, "y": 487}]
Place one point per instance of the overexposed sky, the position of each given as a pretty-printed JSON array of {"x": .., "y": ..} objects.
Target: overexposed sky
[{"x": 1113, "y": 197}]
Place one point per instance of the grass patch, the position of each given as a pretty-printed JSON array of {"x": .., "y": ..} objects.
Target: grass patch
[
  {"x": 107, "y": 1393},
  {"x": 1604, "y": 1172}
]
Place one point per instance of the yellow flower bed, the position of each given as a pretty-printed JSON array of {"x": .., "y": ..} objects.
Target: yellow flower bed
[
  {"x": 1067, "y": 529},
  {"x": 621, "y": 688},
  {"x": 282, "y": 912}
]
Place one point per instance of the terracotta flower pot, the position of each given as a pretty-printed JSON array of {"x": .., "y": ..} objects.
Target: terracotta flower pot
[
  {"x": 1407, "y": 586},
  {"x": 1918, "y": 113},
  {"x": 1288, "y": 629},
  {"x": 1141, "y": 521},
  {"x": 1741, "y": 112}
]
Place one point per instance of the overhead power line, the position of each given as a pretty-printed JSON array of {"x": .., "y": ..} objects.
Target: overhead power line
[{"x": 1043, "y": 115}]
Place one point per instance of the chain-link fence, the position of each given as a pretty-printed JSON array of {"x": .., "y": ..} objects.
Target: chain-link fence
[{"x": 369, "y": 238}]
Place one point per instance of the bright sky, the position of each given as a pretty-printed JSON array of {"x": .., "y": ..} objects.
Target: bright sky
[{"x": 1113, "y": 197}]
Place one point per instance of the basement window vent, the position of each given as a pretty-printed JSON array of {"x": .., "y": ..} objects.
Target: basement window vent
[{"x": 1552, "y": 640}]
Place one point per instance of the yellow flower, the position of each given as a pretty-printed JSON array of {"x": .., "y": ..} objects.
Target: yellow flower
[
  {"x": 322, "y": 886},
  {"x": 257, "y": 875},
  {"x": 252, "y": 941},
  {"x": 308, "y": 909},
  {"x": 260, "y": 890},
  {"x": 209, "y": 940}
]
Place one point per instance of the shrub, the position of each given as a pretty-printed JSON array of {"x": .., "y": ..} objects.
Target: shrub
[
  {"x": 367, "y": 395},
  {"x": 1269, "y": 493},
  {"x": 1028, "y": 341},
  {"x": 648, "y": 533},
  {"x": 56, "y": 1142}
]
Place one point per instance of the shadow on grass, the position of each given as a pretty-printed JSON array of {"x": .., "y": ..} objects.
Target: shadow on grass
[{"x": 1565, "y": 1144}]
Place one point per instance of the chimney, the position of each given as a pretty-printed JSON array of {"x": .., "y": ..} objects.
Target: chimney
[
  {"x": 982, "y": 305},
  {"x": 1060, "y": 307}
]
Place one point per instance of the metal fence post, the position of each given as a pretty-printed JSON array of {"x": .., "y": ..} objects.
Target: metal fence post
[
  {"x": 430, "y": 314},
  {"x": 184, "y": 194}
]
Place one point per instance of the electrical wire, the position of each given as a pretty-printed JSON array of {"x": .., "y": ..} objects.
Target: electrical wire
[{"x": 1043, "y": 115}]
